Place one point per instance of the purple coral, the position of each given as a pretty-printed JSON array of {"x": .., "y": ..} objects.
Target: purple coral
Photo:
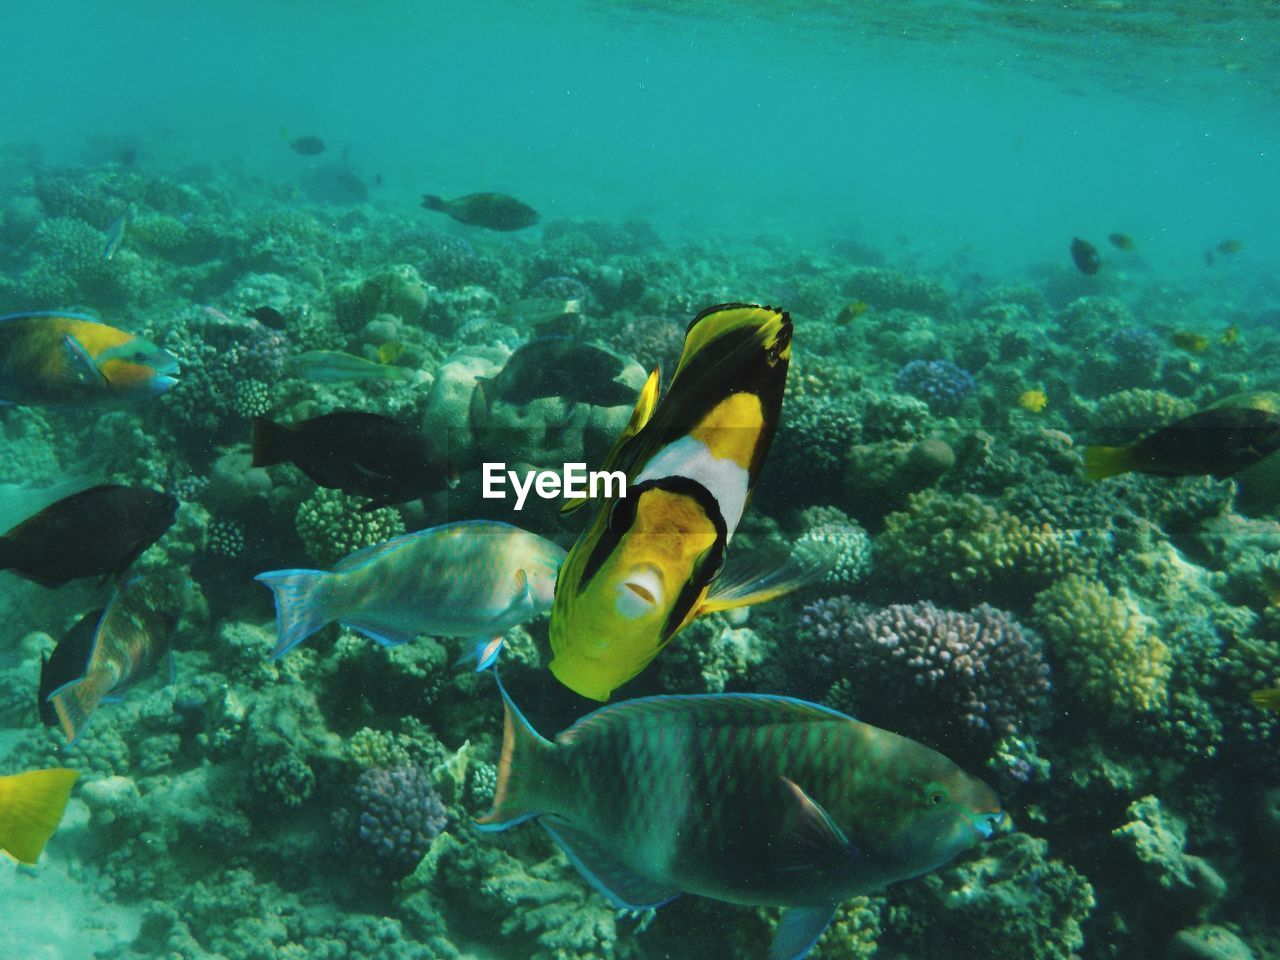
[
  {"x": 939, "y": 383},
  {"x": 959, "y": 680},
  {"x": 399, "y": 813}
]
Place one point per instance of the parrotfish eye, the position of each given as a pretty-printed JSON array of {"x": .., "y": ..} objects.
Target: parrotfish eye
[{"x": 935, "y": 794}]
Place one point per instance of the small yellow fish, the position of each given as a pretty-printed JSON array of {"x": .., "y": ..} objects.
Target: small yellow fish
[
  {"x": 1190, "y": 342},
  {"x": 31, "y": 806},
  {"x": 390, "y": 351},
  {"x": 1266, "y": 699},
  {"x": 1033, "y": 400},
  {"x": 1230, "y": 336},
  {"x": 852, "y": 311},
  {"x": 1230, "y": 246}
]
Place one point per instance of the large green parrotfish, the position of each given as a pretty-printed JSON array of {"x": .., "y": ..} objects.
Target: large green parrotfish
[
  {"x": 747, "y": 798},
  {"x": 61, "y": 359}
]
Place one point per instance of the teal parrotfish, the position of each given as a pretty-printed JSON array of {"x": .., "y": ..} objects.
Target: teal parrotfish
[
  {"x": 130, "y": 637},
  {"x": 63, "y": 359},
  {"x": 747, "y": 798},
  {"x": 334, "y": 366},
  {"x": 475, "y": 578}
]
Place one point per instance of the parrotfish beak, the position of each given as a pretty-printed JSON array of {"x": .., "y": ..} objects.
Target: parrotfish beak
[
  {"x": 989, "y": 824},
  {"x": 161, "y": 385}
]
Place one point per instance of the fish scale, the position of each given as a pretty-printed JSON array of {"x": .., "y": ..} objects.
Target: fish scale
[{"x": 745, "y": 798}]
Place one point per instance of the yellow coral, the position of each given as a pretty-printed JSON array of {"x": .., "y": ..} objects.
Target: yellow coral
[
  {"x": 958, "y": 546},
  {"x": 1106, "y": 646}
]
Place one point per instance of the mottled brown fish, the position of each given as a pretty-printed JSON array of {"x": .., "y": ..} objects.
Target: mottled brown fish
[
  {"x": 307, "y": 146},
  {"x": 128, "y": 639},
  {"x": 97, "y": 532},
  {"x": 1122, "y": 241},
  {"x": 1217, "y": 442},
  {"x": 493, "y": 211}
]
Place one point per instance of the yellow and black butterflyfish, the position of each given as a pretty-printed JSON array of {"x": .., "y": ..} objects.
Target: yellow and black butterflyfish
[{"x": 649, "y": 561}]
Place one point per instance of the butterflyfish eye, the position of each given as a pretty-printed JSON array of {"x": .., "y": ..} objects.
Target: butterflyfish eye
[{"x": 641, "y": 593}]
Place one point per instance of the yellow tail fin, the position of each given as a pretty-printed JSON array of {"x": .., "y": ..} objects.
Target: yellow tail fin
[
  {"x": 31, "y": 806},
  {"x": 1103, "y": 462}
]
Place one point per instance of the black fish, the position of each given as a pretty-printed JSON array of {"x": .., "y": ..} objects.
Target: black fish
[
  {"x": 268, "y": 317},
  {"x": 98, "y": 532},
  {"x": 1085, "y": 254},
  {"x": 495, "y": 211},
  {"x": 363, "y": 454},
  {"x": 559, "y": 367},
  {"x": 66, "y": 663},
  {"x": 307, "y": 146},
  {"x": 1217, "y": 442}
]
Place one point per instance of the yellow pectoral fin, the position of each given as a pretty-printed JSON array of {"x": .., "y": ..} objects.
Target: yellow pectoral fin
[
  {"x": 1103, "y": 462},
  {"x": 31, "y": 806},
  {"x": 750, "y": 585},
  {"x": 646, "y": 403}
]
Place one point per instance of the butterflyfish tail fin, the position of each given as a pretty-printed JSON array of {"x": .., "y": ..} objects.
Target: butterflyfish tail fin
[
  {"x": 521, "y": 767},
  {"x": 270, "y": 442},
  {"x": 31, "y": 806},
  {"x": 749, "y": 585},
  {"x": 300, "y": 606},
  {"x": 1103, "y": 462}
]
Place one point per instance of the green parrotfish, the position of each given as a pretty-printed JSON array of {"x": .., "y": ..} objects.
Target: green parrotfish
[{"x": 748, "y": 798}]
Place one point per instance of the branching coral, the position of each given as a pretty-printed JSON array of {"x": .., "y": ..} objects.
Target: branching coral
[{"x": 1107, "y": 647}]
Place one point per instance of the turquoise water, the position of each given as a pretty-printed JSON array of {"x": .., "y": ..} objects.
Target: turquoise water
[{"x": 905, "y": 180}]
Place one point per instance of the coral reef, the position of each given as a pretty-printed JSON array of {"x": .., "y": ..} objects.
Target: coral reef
[{"x": 981, "y": 675}]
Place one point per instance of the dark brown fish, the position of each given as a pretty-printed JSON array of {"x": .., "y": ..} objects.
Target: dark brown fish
[
  {"x": 307, "y": 146},
  {"x": 1122, "y": 241},
  {"x": 268, "y": 317},
  {"x": 1217, "y": 442},
  {"x": 98, "y": 532},
  {"x": 1085, "y": 255},
  {"x": 494, "y": 211},
  {"x": 363, "y": 454}
]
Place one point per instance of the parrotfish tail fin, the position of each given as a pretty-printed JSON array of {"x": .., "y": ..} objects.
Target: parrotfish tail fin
[
  {"x": 749, "y": 585},
  {"x": 270, "y": 442},
  {"x": 432, "y": 202},
  {"x": 31, "y": 806},
  {"x": 483, "y": 653},
  {"x": 1103, "y": 462},
  {"x": 521, "y": 768},
  {"x": 798, "y": 930},
  {"x": 75, "y": 703},
  {"x": 646, "y": 403},
  {"x": 300, "y": 606}
]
